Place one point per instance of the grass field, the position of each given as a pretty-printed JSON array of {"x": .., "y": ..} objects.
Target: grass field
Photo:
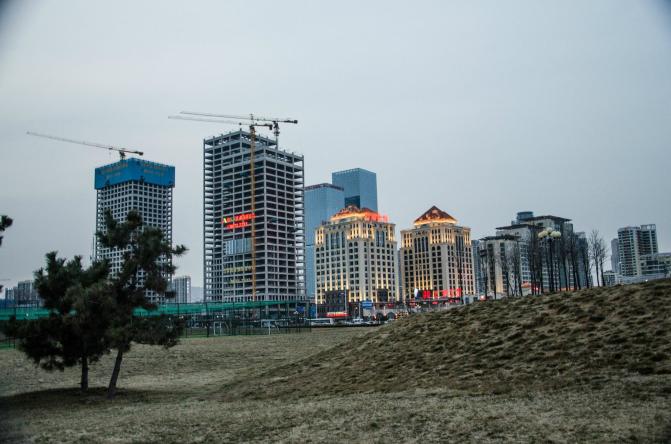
[{"x": 374, "y": 385}]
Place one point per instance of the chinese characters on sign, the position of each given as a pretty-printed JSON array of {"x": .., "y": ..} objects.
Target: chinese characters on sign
[{"x": 237, "y": 221}]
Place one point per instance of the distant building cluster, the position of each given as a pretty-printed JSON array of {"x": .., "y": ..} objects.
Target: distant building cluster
[
  {"x": 519, "y": 260},
  {"x": 269, "y": 238},
  {"x": 24, "y": 294},
  {"x": 635, "y": 256}
]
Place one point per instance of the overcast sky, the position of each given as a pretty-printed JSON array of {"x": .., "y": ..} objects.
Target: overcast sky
[{"x": 483, "y": 108}]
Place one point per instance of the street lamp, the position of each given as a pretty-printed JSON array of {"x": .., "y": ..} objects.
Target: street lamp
[{"x": 549, "y": 236}]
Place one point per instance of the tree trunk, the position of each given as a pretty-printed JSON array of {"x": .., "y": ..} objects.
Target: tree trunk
[
  {"x": 111, "y": 389},
  {"x": 84, "y": 383}
]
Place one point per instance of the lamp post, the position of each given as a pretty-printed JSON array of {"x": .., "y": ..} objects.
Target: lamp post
[{"x": 549, "y": 236}]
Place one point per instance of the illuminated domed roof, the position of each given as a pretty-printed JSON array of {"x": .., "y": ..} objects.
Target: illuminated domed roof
[
  {"x": 434, "y": 215},
  {"x": 352, "y": 211}
]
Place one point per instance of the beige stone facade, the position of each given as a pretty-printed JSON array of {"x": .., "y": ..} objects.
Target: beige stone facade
[
  {"x": 355, "y": 256},
  {"x": 436, "y": 258}
]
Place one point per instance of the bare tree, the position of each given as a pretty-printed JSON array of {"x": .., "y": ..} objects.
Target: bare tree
[
  {"x": 598, "y": 250},
  {"x": 586, "y": 263},
  {"x": 535, "y": 263},
  {"x": 516, "y": 262},
  {"x": 502, "y": 262},
  {"x": 491, "y": 267},
  {"x": 572, "y": 255}
]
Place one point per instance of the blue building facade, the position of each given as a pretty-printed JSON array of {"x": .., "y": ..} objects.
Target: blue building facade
[
  {"x": 138, "y": 185},
  {"x": 128, "y": 170},
  {"x": 359, "y": 185},
  {"x": 321, "y": 202}
]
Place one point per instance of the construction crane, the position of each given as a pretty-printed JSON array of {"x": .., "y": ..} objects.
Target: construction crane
[
  {"x": 252, "y": 122},
  {"x": 257, "y": 120},
  {"x": 122, "y": 151}
]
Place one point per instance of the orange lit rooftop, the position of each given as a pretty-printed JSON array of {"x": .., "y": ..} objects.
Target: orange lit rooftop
[
  {"x": 434, "y": 215},
  {"x": 354, "y": 212}
]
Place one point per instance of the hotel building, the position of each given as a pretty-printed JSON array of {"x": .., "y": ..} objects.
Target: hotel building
[
  {"x": 437, "y": 261},
  {"x": 355, "y": 259}
]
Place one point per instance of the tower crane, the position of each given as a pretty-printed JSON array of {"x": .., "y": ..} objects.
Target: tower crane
[
  {"x": 252, "y": 122},
  {"x": 122, "y": 151},
  {"x": 257, "y": 120}
]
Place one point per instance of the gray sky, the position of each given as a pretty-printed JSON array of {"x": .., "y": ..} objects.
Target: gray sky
[{"x": 483, "y": 108}]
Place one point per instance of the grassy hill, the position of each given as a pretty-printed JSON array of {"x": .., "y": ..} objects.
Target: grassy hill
[
  {"x": 586, "y": 367},
  {"x": 590, "y": 337}
]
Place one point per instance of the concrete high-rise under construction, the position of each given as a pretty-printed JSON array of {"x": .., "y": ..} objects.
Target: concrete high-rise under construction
[
  {"x": 134, "y": 184},
  {"x": 254, "y": 247}
]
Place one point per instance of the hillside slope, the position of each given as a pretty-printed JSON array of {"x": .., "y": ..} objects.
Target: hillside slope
[{"x": 540, "y": 342}]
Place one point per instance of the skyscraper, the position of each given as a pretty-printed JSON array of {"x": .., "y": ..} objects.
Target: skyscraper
[
  {"x": 360, "y": 187},
  {"x": 254, "y": 244},
  {"x": 437, "y": 261},
  {"x": 615, "y": 256},
  {"x": 181, "y": 285},
  {"x": 134, "y": 184},
  {"x": 321, "y": 202},
  {"x": 634, "y": 242},
  {"x": 647, "y": 243},
  {"x": 355, "y": 259}
]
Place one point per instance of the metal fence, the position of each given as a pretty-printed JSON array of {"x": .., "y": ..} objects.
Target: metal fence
[{"x": 202, "y": 319}]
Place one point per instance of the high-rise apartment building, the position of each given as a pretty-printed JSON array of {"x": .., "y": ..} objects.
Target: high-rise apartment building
[
  {"x": 634, "y": 242},
  {"x": 615, "y": 256},
  {"x": 359, "y": 185},
  {"x": 321, "y": 202},
  {"x": 355, "y": 259},
  {"x": 181, "y": 285},
  {"x": 254, "y": 242},
  {"x": 647, "y": 243},
  {"x": 437, "y": 260},
  {"x": 134, "y": 184}
]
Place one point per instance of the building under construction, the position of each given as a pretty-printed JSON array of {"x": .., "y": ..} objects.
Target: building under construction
[
  {"x": 139, "y": 185},
  {"x": 253, "y": 222}
]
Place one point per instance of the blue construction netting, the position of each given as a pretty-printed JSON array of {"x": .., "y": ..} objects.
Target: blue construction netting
[{"x": 196, "y": 308}]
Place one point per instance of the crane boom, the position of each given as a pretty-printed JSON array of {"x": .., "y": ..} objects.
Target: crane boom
[
  {"x": 197, "y": 119},
  {"x": 122, "y": 151},
  {"x": 251, "y": 117}
]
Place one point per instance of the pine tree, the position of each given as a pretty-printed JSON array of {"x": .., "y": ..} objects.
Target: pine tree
[
  {"x": 75, "y": 332},
  {"x": 144, "y": 249},
  {"x": 5, "y": 222}
]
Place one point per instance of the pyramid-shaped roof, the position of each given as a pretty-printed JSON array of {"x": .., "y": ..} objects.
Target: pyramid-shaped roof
[{"x": 434, "y": 215}]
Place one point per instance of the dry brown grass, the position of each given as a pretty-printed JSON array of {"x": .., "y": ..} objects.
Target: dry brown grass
[
  {"x": 587, "y": 338},
  {"x": 573, "y": 368}
]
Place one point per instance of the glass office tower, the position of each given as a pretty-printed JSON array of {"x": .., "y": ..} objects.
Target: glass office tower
[
  {"x": 321, "y": 202},
  {"x": 360, "y": 187}
]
